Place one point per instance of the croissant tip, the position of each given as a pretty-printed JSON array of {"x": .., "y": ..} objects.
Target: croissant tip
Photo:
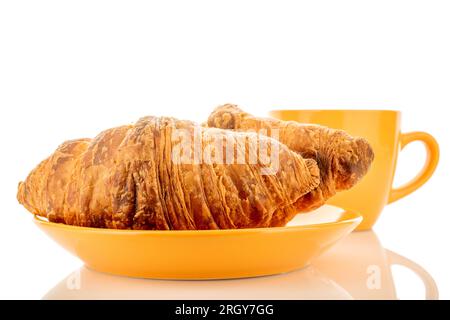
[
  {"x": 367, "y": 150},
  {"x": 224, "y": 116},
  {"x": 352, "y": 169}
]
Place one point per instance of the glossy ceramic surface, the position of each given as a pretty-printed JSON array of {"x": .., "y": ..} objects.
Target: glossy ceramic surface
[
  {"x": 358, "y": 267},
  {"x": 382, "y": 129},
  {"x": 206, "y": 254}
]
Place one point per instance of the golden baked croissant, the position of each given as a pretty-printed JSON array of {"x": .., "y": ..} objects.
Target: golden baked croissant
[
  {"x": 343, "y": 160},
  {"x": 135, "y": 177}
]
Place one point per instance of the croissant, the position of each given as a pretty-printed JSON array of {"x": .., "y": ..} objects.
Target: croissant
[
  {"x": 145, "y": 176},
  {"x": 342, "y": 159}
]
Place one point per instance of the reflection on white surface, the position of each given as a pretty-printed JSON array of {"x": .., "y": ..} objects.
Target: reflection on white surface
[
  {"x": 356, "y": 268},
  {"x": 362, "y": 266}
]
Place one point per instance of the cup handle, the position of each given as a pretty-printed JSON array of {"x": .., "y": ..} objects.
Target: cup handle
[
  {"x": 431, "y": 290},
  {"x": 427, "y": 171}
]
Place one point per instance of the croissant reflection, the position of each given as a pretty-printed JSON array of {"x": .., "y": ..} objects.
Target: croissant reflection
[{"x": 344, "y": 272}]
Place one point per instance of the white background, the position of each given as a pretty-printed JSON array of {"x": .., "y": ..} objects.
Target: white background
[{"x": 70, "y": 69}]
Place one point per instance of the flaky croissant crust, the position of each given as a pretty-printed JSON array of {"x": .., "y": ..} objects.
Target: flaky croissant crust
[
  {"x": 343, "y": 160},
  {"x": 126, "y": 178}
]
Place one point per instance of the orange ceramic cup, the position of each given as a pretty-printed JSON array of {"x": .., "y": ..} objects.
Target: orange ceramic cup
[{"x": 382, "y": 129}]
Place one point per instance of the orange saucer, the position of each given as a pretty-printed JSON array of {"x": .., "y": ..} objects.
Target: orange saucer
[{"x": 205, "y": 254}]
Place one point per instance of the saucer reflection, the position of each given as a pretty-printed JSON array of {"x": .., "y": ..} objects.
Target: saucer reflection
[
  {"x": 358, "y": 267},
  {"x": 303, "y": 284}
]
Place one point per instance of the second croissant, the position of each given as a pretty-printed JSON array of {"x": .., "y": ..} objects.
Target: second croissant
[{"x": 343, "y": 160}]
